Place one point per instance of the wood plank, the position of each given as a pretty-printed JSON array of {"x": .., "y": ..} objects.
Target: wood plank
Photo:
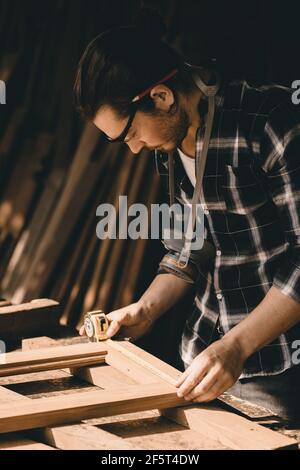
[
  {"x": 107, "y": 377},
  {"x": 152, "y": 364},
  {"x": 86, "y": 405},
  {"x": 80, "y": 436},
  {"x": 228, "y": 428},
  {"x": 150, "y": 431},
  {"x": 127, "y": 286},
  {"x": 34, "y": 305},
  {"x": 97, "y": 292},
  {"x": 129, "y": 184},
  {"x": 15, "y": 442},
  {"x": 41, "y": 263},
  {"x": 52, "y": 358},
  {"x": 47, "y": 342},
  {"x": 29, "y": 318},
  {"x": 128, "y": 367}
]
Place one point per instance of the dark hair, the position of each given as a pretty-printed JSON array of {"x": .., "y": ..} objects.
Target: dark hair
[{"x": 124, "y": 61}]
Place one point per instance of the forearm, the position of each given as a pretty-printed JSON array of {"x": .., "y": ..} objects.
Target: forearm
[
  {"x": 273, "y": 316},
  {"x": 164, "y": 292}
]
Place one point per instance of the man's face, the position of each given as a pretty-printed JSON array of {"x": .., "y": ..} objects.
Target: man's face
[{"x": 159, "y": 130}]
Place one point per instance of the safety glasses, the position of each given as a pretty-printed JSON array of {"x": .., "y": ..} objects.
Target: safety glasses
[{"x": 134, "y": 107}]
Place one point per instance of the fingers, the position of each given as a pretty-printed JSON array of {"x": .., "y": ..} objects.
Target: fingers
[
  {"x": 113, "y": 328},
  {"x": 183, "y": 377},
  {"x": 82, "y": 331},
  {"x": 116, "y": 319},
  {"x": 204, "y": 387},
  {"x": 192, "y": 379},
  {"x": 201, "y": 382},
  {"x": 214, "y": 392},
  {"x": 212, "y": 385}
]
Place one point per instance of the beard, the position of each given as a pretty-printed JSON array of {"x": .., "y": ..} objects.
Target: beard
[{"x": 174, "y": 128}]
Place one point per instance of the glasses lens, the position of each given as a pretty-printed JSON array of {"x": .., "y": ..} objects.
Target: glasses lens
[{"x": 124, "y": 133}]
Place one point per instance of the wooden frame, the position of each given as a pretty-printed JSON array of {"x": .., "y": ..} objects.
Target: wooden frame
[{"x": 131, "y": 380}]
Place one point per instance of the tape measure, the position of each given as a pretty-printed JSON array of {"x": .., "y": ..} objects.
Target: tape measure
[{"x": 96, "y": 325}]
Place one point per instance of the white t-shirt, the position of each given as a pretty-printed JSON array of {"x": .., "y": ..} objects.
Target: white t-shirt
[{"x": 189, "y": 165}]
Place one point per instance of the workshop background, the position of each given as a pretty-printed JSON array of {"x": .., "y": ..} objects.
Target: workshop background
[{"x": 55, "y": 169}]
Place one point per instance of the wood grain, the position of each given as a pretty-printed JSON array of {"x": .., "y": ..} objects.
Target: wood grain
[
  {"x": 28, "y": 319},
  {"x": 86, "y": 405},
  {"x": 228, "y": 428},
  {"x": 52, "y": 358}
]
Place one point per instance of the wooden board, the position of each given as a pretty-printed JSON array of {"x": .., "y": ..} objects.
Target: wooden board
[
  {"x": 52, "y": 358},
  {"x": 15, "y": 442},
  {"x": 28, "y": 319},
  {"x": 87, "y": 405},
  {"x": 230, "y": 429}
]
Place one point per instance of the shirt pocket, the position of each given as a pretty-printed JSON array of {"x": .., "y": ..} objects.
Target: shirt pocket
[{"x": 243, "y": 188}]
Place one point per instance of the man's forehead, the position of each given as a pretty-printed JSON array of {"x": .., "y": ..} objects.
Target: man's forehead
[{"x": 109, "y": 122}]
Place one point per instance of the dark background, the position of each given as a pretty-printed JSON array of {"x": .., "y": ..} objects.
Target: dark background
[{"x": 48, "y": 246}]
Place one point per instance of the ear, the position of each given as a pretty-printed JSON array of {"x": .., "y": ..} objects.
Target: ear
[{"x": 163, "y": 97}]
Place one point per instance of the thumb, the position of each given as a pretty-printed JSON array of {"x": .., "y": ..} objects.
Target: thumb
[
  {"x": 114, "y": 325},
  {"x": 82, "y": 331}
]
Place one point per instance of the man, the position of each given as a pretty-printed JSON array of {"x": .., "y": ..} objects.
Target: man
[{"x": 244, "y": 326}]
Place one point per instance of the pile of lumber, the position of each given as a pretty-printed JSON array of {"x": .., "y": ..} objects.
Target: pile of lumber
[{"x": 55, "y": 169}]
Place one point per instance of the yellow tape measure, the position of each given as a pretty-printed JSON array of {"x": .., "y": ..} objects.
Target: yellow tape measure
[{"x": 96, "y": 325}]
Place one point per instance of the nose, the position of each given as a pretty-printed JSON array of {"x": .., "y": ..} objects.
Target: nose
[{"x": 136, "y": 147}]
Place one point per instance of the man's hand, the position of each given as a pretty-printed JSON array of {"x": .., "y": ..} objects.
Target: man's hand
[
  {"x": 212, "y": 372},
  {"x": 132, "y": 322}
]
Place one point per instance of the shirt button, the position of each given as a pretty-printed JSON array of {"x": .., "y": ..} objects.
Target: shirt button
[
  {"x": 219, "y": 296},
  {"x": 218, "y": 252}
]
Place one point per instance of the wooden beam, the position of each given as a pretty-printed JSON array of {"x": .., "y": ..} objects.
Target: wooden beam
[
  {"x": 228, "y": 428},
  {"x": 28, "y": 319},
  {"x": 16, "y": 442},
  {"x": 87, "y": 405},
  {"x": 52, "y": 358},
  {"x": 150, "y": 363},
  {"x": 81, "y": 436},
  {"x": 126, "y": 366}
]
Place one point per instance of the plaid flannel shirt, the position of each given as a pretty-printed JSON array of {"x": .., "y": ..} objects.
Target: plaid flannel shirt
[{"x": 251, "y": 189}]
